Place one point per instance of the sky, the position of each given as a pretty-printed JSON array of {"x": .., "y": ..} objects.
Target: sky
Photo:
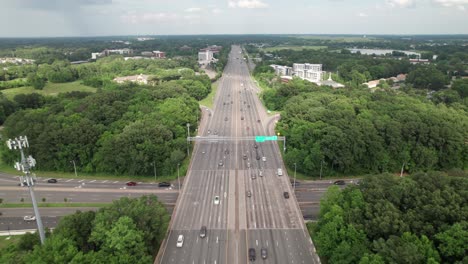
[{"x": 63, "y": 18}]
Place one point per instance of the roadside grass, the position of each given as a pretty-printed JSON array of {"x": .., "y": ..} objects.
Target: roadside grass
[
  {"x": 55, "y": 205},
  {"x": 51, "y": 89},
  {"x": 208, "y": 101},
  {"x": 5, "y": 168},
  {"x": 8, "y": 240},
  {"x": 295, "y": 48}
]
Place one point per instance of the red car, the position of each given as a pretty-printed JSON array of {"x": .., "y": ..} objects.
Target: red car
[{"x": 131, "y": 183}]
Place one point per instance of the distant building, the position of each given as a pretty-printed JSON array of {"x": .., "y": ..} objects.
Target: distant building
[
  {"x": 159, "y": 54},
  {"x": 205, "y": 57},
  {"x": 373, "y": 83},
  {"x": 108, "y": 52},
  {"x": 140, "y": 79},
  {"x": 419, "y": 61},
  {"x": 16, "y": 61},
  {"x": 282, "y": 70},
  {"x": 144, "y": 39},
  {"x": 309, "y": 72}
]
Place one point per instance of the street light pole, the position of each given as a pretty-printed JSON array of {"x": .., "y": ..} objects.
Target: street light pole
[
  {"x": 154, "y": 166},
  {"x": 178, "y": 174},
  {"x": 321, "y": 165},
  {"x": 74, "y": 166},
  {"x": 188, "y": 135},
  {"x": 25, "y": 165},
  {"x": 294, "y": 177}
]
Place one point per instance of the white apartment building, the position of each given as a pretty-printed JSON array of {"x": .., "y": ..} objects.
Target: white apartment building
[
  {"x": 282, "y": 70},
  {"x": 307, "y": 71},
  {"x": 206, "y": 55}
]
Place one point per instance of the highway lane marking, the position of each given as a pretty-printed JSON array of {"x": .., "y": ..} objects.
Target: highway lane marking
[
  {"x": 92, "y": 181},
  {"x": 80, "y": 180},
  {"x": 116, "y": 182},
  {"x": 69, "y": 180},
  {"x": 104, "y": 181}
]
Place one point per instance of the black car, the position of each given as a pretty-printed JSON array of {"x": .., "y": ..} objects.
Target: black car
[
  {"x": 164, "y": 184},
  {"x": 203, "y": 232},
  {"x": 339, "y": 182},
  {"x": 52, "y": 180},
  {"x": 286, "y": 195},
  {"x": 258, "y": 157},
  {"x": 252, "y": 255},
  {"x": 255, "y": 146},
  {"x": 244, "y": 157}
]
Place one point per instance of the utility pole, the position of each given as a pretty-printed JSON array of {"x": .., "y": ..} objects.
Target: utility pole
[
  {"x": 28, "y": 180},
  {"x": 178, "y": 175},
  {"x": 154, "y": 167},
  {"x": 74, "y": 166},
  {"x": 188, "y": 135},
  {"x": 294, "y": 177},
  {"x": 402, "y": 167},
  {"x": 321, "y": 165}
]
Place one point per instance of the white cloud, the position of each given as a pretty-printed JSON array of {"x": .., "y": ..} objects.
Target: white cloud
[
  {"x": 247, "y": 4},
  {"x": 193, "y": 9},
  {"x": 401, "y": 3},
  {"x": 135, "y": 18},
  {"x": 460, "y": 4},
  {"x": 362, "y": 15}
]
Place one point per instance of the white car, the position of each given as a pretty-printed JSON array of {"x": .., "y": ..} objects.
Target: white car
[
  {"x": 29, "y": 218},
  {"x": 264, "y": 158},
  {"x": 216, "y": 200},
  {"x": 180, "y": 241}
]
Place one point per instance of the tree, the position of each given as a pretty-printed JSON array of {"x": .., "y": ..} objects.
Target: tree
[
  {"x": 461, "y": 86},
  {"x": 56, "y": 249},
  {"x": 453, "y": 242},
  {"x": 77, "y": 227},
  {"x": 427, "y": 77},
  {"x": 35, "y": 81}
]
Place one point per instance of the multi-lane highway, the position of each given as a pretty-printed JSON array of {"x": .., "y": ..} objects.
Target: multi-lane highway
[{"x": 232, "y": 187}]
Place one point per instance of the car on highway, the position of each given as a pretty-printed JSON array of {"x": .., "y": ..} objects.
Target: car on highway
[
  {"x": 131, "y": 183},
  {"x": 220, "y": 163},
  {"x": 164, "y": 184},
  {"x": 253, "y": 176},
  {"x": 280, "y": 172},
  {"x": 203, "y": 232},
  {"x": 180, "y": 241},
  {"x": 29, "y": 218},
  {"x": 260, "y": 173},
  {"x": 209, "y": 131},
  {"x": 255, "y": 146},
  {"x": 248, "y": 164},
  {"x": 226, "y": 151},
  {"x": 52, "y": 180},
  {"x": 252, "y": 255},
  {"x": 225, "y": 119},
  {"x": 339, "y": 182},
  {"x": 242, "y": 118},
  {"x": 257, "y": 157},
  {"x": 244, "y": 156},
  {"x": 264, "y": 158},
  {"x": 216, "y": 200},
  {"x": 258, "y": 121},
  {"x": 249, "y": 193},
  {"x": 264, "y": 253},
  {"x": 286, "y": 195}
]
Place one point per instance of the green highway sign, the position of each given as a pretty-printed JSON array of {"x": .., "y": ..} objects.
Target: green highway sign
[{"x": 265, "y": 138}]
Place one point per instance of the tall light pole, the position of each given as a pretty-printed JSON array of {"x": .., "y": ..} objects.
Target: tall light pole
[
  {"x": 74, "y": 166},
  {"x": 25, "y": 165},
  {"x": 154, "y": 167},
  {"x": 188, "y": 135},
  {"x": 178, "y": 174},
  {"x": 294, "y": 177},
  {"x": 321, "y": 165}
]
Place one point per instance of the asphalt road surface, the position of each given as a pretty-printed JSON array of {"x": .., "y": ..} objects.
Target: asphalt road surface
[{"x": 228, "y": 170}]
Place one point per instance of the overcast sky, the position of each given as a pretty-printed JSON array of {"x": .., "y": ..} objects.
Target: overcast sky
[{"x": 38, "y": 18}]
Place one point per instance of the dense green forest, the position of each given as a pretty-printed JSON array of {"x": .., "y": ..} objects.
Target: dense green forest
[
  {"x": 421, "y": 218},
  {"x": 128, "y": 231}
]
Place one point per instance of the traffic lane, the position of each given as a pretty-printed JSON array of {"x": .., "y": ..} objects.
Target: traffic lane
[
  {"x": 19, "y": 195},
  {"x": 44, "y": 211},
  {"x": 310, "y": 211},
  {"x": 282, "y": 246},
  {"x": 14, "y": 180},
  {"x": 211, "y": 249},
  {"x": 18, "y": 223}
]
